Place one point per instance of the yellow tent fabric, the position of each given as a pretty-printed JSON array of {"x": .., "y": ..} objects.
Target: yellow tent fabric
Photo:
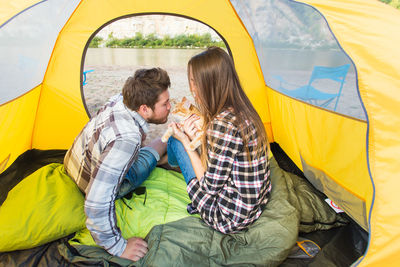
[
  {"x": 361, "y": 158},
  {"x": 368, "y": 42}
]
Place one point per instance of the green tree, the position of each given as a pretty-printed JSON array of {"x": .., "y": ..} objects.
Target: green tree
[
  {"x": 167, "y": 41},
  {"x": 113, "y": 42},
  {"x": 127, "y": 42},
  {"x": 151, "y": 40},
  {"x": 393, "y": 3},
  {"x": 95, "y": 42},
  {"x": 138, "y": 38}
]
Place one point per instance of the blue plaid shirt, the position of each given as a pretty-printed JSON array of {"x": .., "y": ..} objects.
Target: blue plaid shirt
[{"x": 98, "y": 161}]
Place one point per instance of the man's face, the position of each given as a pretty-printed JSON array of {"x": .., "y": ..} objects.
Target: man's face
[{"x": 159, "y": 114}]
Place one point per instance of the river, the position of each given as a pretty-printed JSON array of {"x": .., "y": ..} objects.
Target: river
[{"x": 166, "y": 58}]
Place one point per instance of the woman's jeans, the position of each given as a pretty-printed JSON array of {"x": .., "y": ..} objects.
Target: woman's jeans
[
  {"x": 139, "y": 171},
  {"x": 177, "y": 156}
]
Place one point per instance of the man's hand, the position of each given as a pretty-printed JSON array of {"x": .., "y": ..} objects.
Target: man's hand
[
  {"x": 158, "y": 146},
  {"x": 135, "y": 249},
  {"x": 163, "y": 160}
]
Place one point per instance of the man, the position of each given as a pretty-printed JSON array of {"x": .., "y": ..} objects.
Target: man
[{"x": 106, "y": 159}]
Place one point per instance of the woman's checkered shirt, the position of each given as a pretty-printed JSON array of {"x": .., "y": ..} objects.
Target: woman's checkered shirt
[{"x": 231, "y": 194}]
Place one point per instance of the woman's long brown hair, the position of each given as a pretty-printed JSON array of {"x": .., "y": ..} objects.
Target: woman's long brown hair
[{"x": 218, "y": 88}]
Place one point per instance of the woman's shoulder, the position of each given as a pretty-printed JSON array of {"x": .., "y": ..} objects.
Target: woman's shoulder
[
  {"x": 225, "y": 118},
  {"x": 226, "y": 115},
  {"x": 223, "y": 128},
  {"x": 228, "y": 120},
  {"x": 229, "y": 117}
]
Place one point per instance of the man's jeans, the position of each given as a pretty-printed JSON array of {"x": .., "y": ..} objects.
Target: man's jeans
[
  {"x": 177, "y": 156},
  {"x": 139, "y": 171}
]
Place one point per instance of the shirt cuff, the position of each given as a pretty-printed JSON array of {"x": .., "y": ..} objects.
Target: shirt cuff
[
  {"x": 152, "y": 151},
  {"x": 118, "y": 248},
  {"x": 192, "y": 183}
]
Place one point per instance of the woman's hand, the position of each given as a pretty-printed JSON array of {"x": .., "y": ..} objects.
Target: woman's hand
[
  {"x": 180, "y": 134},
  {"x": 189, "y": 127}
]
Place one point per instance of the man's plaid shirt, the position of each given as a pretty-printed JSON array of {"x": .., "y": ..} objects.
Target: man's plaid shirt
[
  {"x": 231, "y": 194},
  {"x": 98, "y": 161}
]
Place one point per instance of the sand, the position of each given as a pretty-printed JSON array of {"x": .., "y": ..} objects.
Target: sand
[{"x": 107, "y": 81}]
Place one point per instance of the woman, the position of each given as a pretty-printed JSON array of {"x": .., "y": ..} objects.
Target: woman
[{"x": 228, "y": 183}]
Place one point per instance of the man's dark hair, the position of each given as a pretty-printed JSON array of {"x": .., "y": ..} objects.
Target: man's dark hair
[{"x": 144, "y": 87}]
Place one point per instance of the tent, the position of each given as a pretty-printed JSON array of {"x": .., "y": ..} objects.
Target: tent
[{"x": 351, "y": 153}]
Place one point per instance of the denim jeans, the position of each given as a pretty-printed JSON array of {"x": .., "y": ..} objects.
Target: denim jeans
[
  {"x": 139, "y": 171},
  {"x": 177, "y": 156}
]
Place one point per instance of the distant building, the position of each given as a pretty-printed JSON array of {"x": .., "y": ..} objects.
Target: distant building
[{"x": 160, "y": 25}]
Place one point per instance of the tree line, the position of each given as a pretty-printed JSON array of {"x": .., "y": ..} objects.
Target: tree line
[
  {"x": 151, "y": 40},
  {"x": 393, "y": 3}
]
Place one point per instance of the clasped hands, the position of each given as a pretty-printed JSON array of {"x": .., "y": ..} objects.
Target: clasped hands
[{"x": 186, "y": 131}]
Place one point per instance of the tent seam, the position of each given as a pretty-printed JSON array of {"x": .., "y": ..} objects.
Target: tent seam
[
  {"x": 47, "y": 68},
  {"x": 20, "y": 96},
  {"x": 341, "y": 184},
  {"x": 22, "y": 11},
  {"x": 259, "y": 66}
]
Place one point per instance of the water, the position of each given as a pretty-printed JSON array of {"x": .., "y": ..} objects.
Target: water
[{"x": 165, "y": 58}]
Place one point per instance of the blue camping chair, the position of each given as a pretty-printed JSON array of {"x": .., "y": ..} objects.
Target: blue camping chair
[
  {"x": 311, "y": 94},
  {"x": 84, "y": 76}
]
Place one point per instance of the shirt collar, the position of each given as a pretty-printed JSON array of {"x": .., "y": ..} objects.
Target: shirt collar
[
  {"x": 139, "y": 119},
  {"x": 142, "y": 122}
]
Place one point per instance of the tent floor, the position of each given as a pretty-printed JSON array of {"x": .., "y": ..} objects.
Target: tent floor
[{"x": 339, "y": 247}]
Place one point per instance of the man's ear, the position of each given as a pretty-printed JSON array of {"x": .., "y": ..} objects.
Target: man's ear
[
  {"x": 143, "y": 108},
  {"x": 144, "y": 111}
]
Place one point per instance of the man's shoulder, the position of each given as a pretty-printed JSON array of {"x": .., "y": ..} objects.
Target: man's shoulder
[
  {"x": 114, "y": 122},
  {"x": 115, "y": 127},
  {"x": 114, "y": 99},
  {"x": 121, "y": 128},
  {"x": 113, "y": 113}
]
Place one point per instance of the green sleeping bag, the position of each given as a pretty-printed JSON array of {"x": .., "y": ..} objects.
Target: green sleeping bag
[
  {"x": 47, "y": 205},
  {"x": 178, "y": 239},
  {"x": 165, "y": 201}
]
